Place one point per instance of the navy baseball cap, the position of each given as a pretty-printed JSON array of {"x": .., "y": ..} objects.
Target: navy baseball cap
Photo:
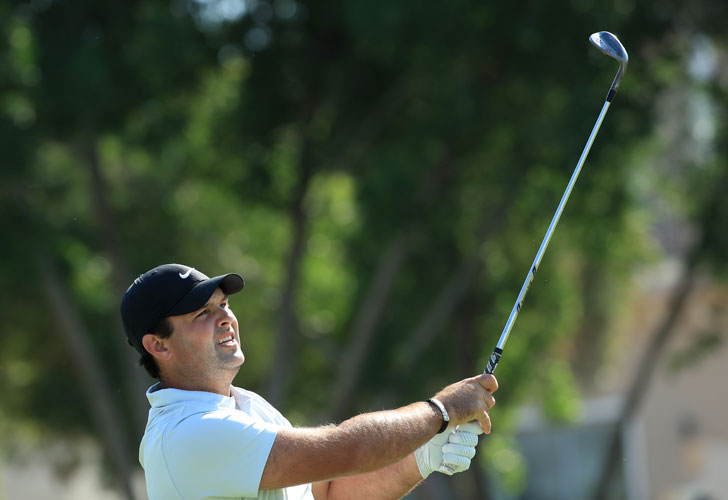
[{"x": 169, "y": 290}]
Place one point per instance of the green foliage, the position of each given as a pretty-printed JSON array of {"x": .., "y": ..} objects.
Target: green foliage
[
  {"x": 505, "y": 463},
  {"x": 136, "y": 133},
  {"x": 561, "y": 397}
]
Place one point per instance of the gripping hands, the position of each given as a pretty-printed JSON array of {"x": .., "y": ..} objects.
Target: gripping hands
[
  {"x": 467, "y": 403},
  {"x": 449, "y": 452}
]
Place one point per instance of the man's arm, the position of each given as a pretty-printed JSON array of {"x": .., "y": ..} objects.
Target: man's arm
[
  {"x": 391, "y": 482},
  {"x": 448, "y": 453},
  {"x": 372, "y": 441}
]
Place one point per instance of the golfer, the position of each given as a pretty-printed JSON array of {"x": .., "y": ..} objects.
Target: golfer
[{"x": 206, "y": 439}]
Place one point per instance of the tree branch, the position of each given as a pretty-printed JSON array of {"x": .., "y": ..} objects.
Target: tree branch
[
  {"x": 447, "y": 300},
  {"x": 369, "y": 313}
]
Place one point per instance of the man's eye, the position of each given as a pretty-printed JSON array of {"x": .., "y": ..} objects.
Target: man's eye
[{"x": 204, "y": 311}]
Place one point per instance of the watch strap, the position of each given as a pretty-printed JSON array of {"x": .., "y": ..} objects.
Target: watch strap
[{"x": 445, "y": 417}]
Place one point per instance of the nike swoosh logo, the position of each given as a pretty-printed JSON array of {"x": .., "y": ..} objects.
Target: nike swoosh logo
[{"x": 187, "y": 274}]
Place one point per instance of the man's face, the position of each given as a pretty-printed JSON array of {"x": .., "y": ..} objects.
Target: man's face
[{"x": 207, "y": 340}]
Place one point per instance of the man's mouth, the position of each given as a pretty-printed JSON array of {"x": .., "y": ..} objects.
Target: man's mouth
[{"x": 227, "y": 340}]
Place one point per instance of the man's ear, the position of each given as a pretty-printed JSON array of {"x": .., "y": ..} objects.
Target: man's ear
[{"x": 156, "y": 347}]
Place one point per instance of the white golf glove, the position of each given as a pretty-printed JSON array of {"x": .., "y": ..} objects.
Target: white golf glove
[{"x": 449, "y": 452}]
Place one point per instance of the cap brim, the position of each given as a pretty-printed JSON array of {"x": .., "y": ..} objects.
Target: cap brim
[{"x": 201, "y": 293}]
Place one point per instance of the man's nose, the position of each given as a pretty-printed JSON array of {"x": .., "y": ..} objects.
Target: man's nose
[{"x": 225, "y": 317}]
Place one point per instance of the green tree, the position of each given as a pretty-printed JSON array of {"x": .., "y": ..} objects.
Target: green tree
[{"x": 380, "y": 174}]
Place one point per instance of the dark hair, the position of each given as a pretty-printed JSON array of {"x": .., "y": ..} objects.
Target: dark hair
[{"x": 164, "y": 329}]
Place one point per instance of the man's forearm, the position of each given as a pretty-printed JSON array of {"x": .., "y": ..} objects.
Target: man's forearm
[
  {"x": 372, "y": 441},
  {"x": 391, "y": 435},
  {"x": 359, "y": 445},
  {"x": 390, "y": 483}
]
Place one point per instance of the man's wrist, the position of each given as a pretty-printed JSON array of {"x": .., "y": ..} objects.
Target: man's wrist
[{"x": 437, "y": 404}]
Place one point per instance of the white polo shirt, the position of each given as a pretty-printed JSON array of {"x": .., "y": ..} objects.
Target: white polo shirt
[{"x": 200, "y": 445}]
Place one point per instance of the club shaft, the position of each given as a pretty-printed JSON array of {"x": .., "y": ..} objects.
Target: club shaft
[{"x": 495, "y": 357}]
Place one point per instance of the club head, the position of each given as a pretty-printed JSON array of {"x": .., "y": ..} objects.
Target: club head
[{"x": 610, "y": 45}]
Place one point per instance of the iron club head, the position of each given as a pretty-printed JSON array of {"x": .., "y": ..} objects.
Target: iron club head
[{"x": 610, "y": 45}]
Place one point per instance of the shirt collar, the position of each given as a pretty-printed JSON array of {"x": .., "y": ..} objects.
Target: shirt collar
[{"x": 159, "y": 397}]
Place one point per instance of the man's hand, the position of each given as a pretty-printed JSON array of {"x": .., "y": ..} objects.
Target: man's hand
[
  {"x": 449, "y": 452},
  {"x": 470, "y": 400}
]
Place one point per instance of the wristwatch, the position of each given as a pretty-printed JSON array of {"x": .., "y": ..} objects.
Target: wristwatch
[{"x": 445, "y": 416}]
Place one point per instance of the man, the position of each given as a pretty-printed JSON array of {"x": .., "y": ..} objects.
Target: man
[{"x": 207, "y": 439}]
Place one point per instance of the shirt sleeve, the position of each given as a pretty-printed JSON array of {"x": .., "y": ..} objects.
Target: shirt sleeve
[{"x": 218, "y": 454}]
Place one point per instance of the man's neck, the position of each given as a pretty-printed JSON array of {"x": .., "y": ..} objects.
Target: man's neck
[{"x": 221, "y": 384}]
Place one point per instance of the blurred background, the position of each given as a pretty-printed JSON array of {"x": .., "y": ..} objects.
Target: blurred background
[{"x": 381, "y": 173}]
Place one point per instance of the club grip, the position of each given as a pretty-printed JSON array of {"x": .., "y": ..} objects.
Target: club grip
[{"x": 493, "y": 361}]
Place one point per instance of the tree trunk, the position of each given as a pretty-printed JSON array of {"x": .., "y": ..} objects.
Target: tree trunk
[
  {"x": 645, "y": 372},
  {"x": 590, "y": 340},
  {"x": 713, "y": 210},
  {"x": 96, "y": 387},
  {"x": 465, "y": 358},
  {"x": 283, "y": 362},
  {"x": 135, "y": 378}
]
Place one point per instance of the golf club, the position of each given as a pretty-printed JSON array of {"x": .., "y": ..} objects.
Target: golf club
[{"x": 611, "y": 46}]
